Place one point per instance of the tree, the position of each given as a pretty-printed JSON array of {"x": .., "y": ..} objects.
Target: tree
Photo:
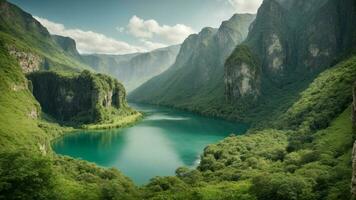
[{"x": 25, "y": 175}]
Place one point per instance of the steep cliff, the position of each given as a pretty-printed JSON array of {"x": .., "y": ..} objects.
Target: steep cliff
[
  {"x": 292, "y": 42},
  {"x": 28, "y": 60},
  {"x": 68, "y": 45},
  {"x": 80, "y": 98},
  {"x": 195, "y": 81},
  {"x": 134, "y": 69}
]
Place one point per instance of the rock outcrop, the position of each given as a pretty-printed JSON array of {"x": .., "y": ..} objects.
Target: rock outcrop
[
  {"x": 29, "y": 62},
  {"x": 80, "y": 98},
  {"x": 242, "y": 75}
]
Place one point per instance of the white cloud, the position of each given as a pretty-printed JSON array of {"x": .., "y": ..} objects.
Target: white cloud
[
  {"x": 152, "y": 45},
  {"x": 246, "y": 6},
  {"x": 91, "y": 42},
  {"x": 148, "y": 29}
]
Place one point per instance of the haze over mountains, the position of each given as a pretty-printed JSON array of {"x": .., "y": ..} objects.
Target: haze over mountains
[{"x": 134, "y": 69}]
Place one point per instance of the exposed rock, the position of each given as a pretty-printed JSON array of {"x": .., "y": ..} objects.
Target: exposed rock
[
  {"x": 82, "y": 98},
  {"x": 28, "y": 61},
  {"x": 33, "y": 113},
  {"x": 18, "y": 87},
  {"x": 242, "y": 75},
  {"x": 42, "y": 148}
]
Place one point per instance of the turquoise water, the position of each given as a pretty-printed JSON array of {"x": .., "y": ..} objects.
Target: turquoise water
[{"x": 156, "y": 146}]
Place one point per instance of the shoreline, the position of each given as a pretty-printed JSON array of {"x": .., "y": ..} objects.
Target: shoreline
[{"x": 117, "y": 122}]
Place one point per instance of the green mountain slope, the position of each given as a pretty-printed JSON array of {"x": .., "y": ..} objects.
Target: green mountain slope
[
  {"x": 196, "y": 78},
  {"x": 304, "y": 154},
  {"x": 26, "y": 38}
]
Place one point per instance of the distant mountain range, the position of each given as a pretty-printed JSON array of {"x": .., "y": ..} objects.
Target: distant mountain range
[{"x": 134, "y": 69}]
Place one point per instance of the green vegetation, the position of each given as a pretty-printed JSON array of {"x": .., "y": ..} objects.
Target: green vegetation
[
  {"x": 316, "y": 107},
  {"x": 298, "y": 162},
  {"x": 304, "y": 154},
  {"x": 28, "y": 167},
  {"x": 84, "y": 98},
  {"x": 116, "y": 122}
]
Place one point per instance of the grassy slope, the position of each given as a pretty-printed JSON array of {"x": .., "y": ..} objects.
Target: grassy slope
[{"x": 17, "y": 128}]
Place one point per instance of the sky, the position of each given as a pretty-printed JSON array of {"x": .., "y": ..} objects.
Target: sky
[{"x": 128, "y": 26}]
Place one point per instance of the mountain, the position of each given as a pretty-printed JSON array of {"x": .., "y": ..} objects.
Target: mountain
[
  {"x": 134, "y": 69},
  {"x": 27, "y": 40},
  {"x": 289, "y": 43},
  {"x": 196, "y": 78},
  {"x": 304, "y": 153},
  {"x": 104, "y": 62}
]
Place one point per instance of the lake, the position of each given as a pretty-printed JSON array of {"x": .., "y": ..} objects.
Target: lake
[{"x": 156, "y": 146}]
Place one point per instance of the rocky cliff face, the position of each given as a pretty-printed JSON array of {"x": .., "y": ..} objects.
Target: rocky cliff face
[
  {"x": 67, "y": 44},
  {"x": 242, "y": 75},
  {"x": 81, "y": 98},
  {"x": 134, "y": 69},
  {"x": 196, "y": 80},
  {"x": 292, "y": 41},
  {"x": 28, "y": 61}
]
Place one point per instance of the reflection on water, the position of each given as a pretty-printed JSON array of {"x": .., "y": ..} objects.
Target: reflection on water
[{"x": 156, "y": 146}]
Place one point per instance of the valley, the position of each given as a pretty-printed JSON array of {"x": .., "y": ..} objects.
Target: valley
[{"x": 260, "y": 108}]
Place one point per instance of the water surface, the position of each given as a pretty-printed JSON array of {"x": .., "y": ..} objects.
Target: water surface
[{"x": 156, "y": 146}]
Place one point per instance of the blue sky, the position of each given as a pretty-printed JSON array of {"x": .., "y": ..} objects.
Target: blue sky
[{"x": 127, "y": 26}]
